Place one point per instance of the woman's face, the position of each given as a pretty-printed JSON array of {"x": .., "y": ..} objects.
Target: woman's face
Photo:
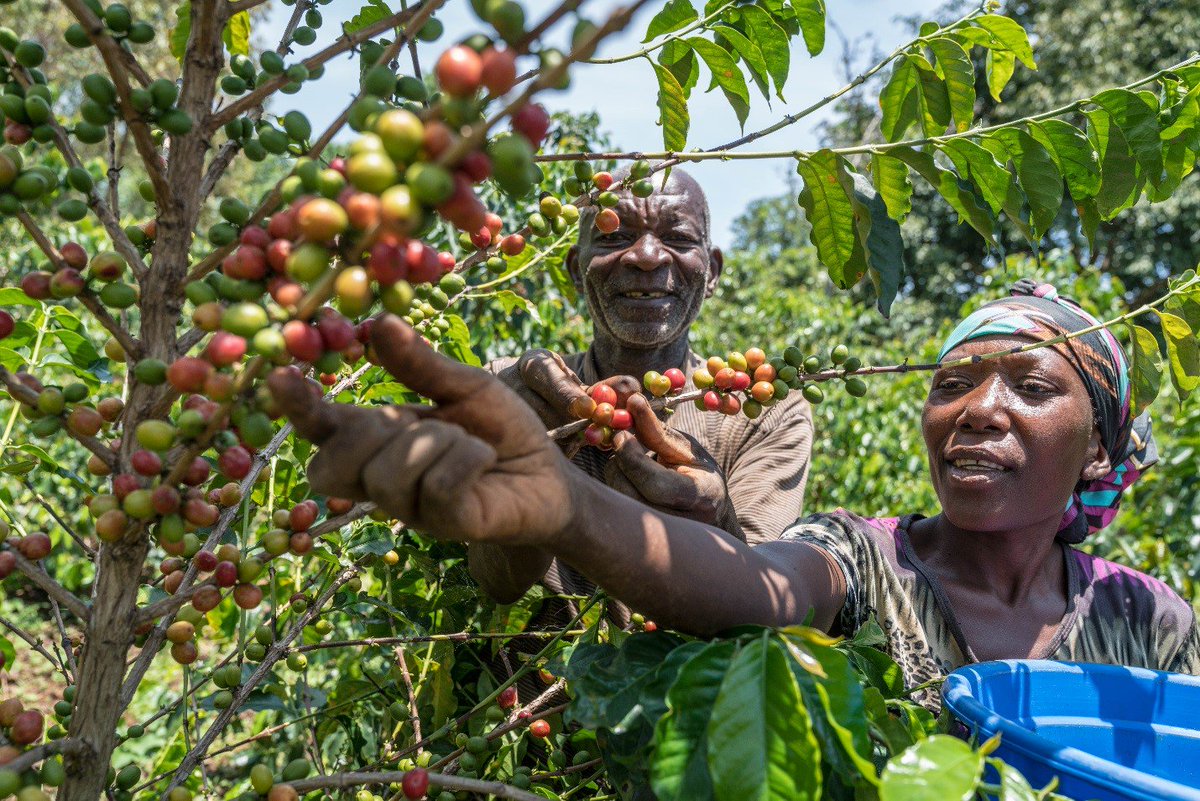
[{"x": 1009, "y": 438}]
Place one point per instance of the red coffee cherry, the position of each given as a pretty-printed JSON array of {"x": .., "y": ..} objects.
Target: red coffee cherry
[
  {"x": 415, "y": 783},
  {"x": 603, "y": 393},
  {"x": 607, "y": 221},
  {"x": 459, "y": 71},
  {"x": 539, "y": 728}
]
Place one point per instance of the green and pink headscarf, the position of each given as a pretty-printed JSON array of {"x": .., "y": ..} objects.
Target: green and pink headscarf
[{"x": 1036, "y": 311}]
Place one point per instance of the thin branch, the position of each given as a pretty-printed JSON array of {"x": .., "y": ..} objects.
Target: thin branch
[
  {"x": 453, "y": 783},
  {"x": 342, "y": 45},
  {"x": 108, "y": 216},
  {"x": 276, "y": 652},
  {"x": 121, "y": 64},
  {"x": 569, "y": 429},
  {"x": 36, "y": 645},
  {"x": 414, "y": 717},
  {"x": 68, "y": 651},
  {"x": 357, "y": 512},
  {"x": 246, "y": 5},
  {"x": 35, "y": 755},
  {"x": 87, "y": 549},
  {"x": 87, "y": 297},
  {"x": 464, "y": 636},
  {"x": 645, "y": 51},
  {"x": 38, "y": 576},
  {"x": 25, "y": 395}
]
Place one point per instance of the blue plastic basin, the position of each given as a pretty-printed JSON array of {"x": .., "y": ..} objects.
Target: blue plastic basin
[{"x": 1106, "y": 732}]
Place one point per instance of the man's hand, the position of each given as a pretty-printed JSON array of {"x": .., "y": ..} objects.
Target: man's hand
[
  {"x": 544, "y": 381},
  {"x": 669, "y": 470},
  {"x": 476, "y": 467}
]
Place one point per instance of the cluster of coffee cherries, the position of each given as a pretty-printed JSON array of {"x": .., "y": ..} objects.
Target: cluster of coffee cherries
[
  {"x": 751, "y": 382},
  {"x": 34, "y": 547},
  {"x": 605, "y": 408},
  {"x": 21, "y": 728}
]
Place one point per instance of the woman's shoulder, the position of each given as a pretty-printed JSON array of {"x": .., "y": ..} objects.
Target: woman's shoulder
[
  {"x": 1139, "y": 597},
  {"x": 842, "y": 526}
]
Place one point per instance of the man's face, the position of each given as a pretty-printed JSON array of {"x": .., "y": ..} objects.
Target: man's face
[{"x": 646, "y": 281}]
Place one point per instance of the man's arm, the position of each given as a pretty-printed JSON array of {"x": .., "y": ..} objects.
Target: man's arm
[
  {"x": 478, "y": 467},
  {"x": 767, "y": 478}
]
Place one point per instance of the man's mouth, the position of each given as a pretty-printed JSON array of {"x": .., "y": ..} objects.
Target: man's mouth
[{"x": 638, "y": 295}]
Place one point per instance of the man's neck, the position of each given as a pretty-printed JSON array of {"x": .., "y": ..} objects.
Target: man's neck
[{"x": 613, "y": 358}]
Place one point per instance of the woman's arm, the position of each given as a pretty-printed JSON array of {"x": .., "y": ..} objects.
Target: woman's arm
[{"x": 478, "y": 468}]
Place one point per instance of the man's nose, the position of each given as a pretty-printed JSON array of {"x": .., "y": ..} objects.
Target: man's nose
[
  {"x": 985, "y": 408},
  {"x": 647, "y": 253}
]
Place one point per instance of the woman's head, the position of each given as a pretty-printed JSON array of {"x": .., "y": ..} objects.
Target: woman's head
[{"x": 1038, "y": 435}]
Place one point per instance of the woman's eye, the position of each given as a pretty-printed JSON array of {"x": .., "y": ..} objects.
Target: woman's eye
[
  {"x": 1035, "y": 387},
  {"x": 952, "y": 384}
]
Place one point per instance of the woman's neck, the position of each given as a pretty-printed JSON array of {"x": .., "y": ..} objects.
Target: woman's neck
[{"x": 1009, "y": 565}]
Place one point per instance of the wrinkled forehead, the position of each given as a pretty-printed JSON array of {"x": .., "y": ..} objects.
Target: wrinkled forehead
[{"x": 679, "y": 207}]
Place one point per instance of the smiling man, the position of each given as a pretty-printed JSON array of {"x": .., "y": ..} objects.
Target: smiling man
[{"x": 645, "y": 285}]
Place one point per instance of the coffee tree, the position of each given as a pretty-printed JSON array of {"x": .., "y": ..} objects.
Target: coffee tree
[{"x": 215, "y": 629}]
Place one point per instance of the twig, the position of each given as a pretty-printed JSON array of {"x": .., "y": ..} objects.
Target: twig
[
  {"x": 87, "y": 549},
  {"x": 657, "y": 404},
  {"x": 357, "y": 512},
  {"x": 454, "y": 783},
  {"x": 25, "y": 395},
  {"x": 33, "y": 643},
  {"x": 68, "y": 651},
  {"x": 465, "y": 636},
  {"x": 36, "y": 574},
  {"x": 413, "y": 716},
  {"x": 35, "y": 755},
  {"x": 645, "y": 51}
]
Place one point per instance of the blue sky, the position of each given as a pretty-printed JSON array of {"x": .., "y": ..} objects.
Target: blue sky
[{"x": 624, "y": 93}]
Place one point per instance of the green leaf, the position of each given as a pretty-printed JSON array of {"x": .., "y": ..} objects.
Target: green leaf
[
  {"x": 1073, "y": 153},
  {"x": 761, "y": 741},
  {"x": 978, "y": 165},
  {"x": 13, "y": 296},
  {"x": 8, "y": 652},
  {"x": 673, "y": 16},
  {"x": 883, "y": 243},
  {"x": 811, "y": 16},
  {"x": 890, "y": 176},
  {"x": 1183, "y": 116},
  {"x": 679, "y": 771},
  {"x": 511, "y": 302},
  {"x": 1183, "y": 354},
  {"x": 672, "y": 109},
  {"x": 828, "y": 210},
  {"x": 955, "y": 192},
  {"x": 1145, "y": 374},
  {"x": 1136, "y": 114},
  {"x": 751, "y": 55},
  {"x": 1038, "y": 176},
  {"x": 372, "y": 12},
  {"x": 182, "y": 30},
  {"x": 941, "y": 767},
  {"x": 959, "y": 74},
  {"x": 1120, "y": 179},
  {"x": 935, "y": 99},
  {"x": 726, "y": 74},
  {"x": 999, "y": 66},
  {"x": 456, "y": 343},
  {"x": 677, "y": 56},
  {"x": 1014, "y": 786},
  {"x": 1007, "y": 34},
  {"x": 80, "y": 349},
  {"x": 236, "y": 35},
  {"x": 900, "y": 99},
  {"x": 842, "y": 728},
  {"x": 772, "y": 41}
]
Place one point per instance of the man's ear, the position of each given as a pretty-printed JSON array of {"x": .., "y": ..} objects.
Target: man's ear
[
  {"x": 574, "y": 269},
  {"x": 716, "y": 263},
  {"x": 1098, "y": 464}
]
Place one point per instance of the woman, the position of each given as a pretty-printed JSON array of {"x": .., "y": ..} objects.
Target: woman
[{"x": 1028, "y": 453}]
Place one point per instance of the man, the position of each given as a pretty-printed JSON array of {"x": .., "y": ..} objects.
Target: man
[{"x": 644, "y": 285}]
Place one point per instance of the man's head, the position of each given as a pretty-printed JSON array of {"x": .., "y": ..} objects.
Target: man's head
[{"x": 646, "y": 281}]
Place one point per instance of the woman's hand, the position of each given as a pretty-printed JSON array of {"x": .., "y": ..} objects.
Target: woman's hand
[{"x": 476, "y": 467}]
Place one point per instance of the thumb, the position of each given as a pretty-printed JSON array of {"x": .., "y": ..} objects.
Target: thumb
[
  {"x": 654, "y": 435},
  {"x": 313, "y": 418}
]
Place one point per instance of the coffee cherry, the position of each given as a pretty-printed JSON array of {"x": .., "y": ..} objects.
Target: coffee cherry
[
  {"x": 7, "y": 324},
  {"x": 677, "y": 378},
  {"x": 764, "y": 372},
  {"x": 187, "y": 374},
  {"x": 851, "y": 364},
  {"x": 181, "y": 631},
  {"x": 656, "y": 383},
  {"x": 8, "y": 563},
  {"x": 763, "y": 391},
  {"x": 83, "y": 421},
  {"x": 711, "y": 401},
  {"x": 839, "y": 354},
  {"x": 597, "y": 435},
  {"x": 507, "y": 698},
  {"x": 539, "y": 728},
  {"x": 155, "y": 435},
  {"x": 729, "y": 404},
  {"x": 621, "y": 420},
  {"x": 741, "y": 381},
  {"x": 533, "y": 122},
  {"x": 813, "y": 393},
  {"x": 247, "y": 596},
  {"x": 752, "y": 408},
  {"x": 607, "y": 221},
  {"x": 459, "y": 71},
  {"x": 603, "y": 414},
  {"x": 415, "y": 783},
  {"x": 147, "y": 463},
  {"x": 321, "y": 219},
  {"x": 35, "y": 547},
  {"x": 856, "y": 387},
  {"x": 26, "y": 728},
  {"x": 499, "y": 70}
]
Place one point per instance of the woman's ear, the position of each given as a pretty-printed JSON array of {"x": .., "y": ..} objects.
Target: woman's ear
[{"x": 1098, "y": 464}]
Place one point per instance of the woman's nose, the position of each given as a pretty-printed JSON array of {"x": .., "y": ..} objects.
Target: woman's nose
[{"x": 985, "y": 408}]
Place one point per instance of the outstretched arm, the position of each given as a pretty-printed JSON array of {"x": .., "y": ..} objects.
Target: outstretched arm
[{"x": 478, "y": 467}]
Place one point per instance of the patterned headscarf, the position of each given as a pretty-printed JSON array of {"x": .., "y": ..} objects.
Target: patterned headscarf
[{"x": 1036, "y": 311}]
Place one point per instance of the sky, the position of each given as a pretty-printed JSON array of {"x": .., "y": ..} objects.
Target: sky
[{"x": 624, "y": 93}]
